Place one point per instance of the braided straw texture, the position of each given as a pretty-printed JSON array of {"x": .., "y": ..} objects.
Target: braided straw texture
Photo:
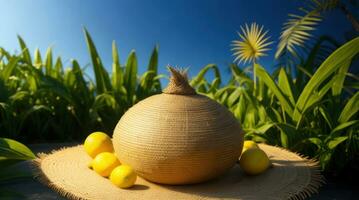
[
  {"x": 178, "y": 83},
  {"x": 178, "y": 139},
  {"x": 291, "y": 177}
]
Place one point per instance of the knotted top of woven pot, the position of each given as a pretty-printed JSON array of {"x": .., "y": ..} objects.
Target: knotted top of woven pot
[{"x": 178, "y": 83}]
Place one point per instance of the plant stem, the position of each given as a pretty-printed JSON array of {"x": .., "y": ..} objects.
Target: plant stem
[{"x": 254, "y": 79}]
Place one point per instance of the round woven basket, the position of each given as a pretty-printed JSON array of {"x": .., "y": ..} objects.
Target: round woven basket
[
  {"x": 178, "y": 137},
  {"x": 291, "y": 177}
]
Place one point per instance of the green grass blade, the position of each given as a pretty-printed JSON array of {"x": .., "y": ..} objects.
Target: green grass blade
[
  {"x": 117, "y": 74},
  {"x": 200, "y": 76},
  {"x": 315, "y": 97},
  {"x": 153, "y": 64},
  {"x": 214, "y": 85},
  {"x": 350, "y": 108},
  {"x": 130, "y": 75},
  {"x": 266, "y": 78},
  {"x": 96, "y": 63},
  {"x": 339, "y": 78},
  {"x": 327, "y": 117},
  {"x": 48, "y": 62},
  {"x": 11, "y": 65},
  {"x": 4, "y": 53},
  {"x": 344, "y": 126},
  {"x": 316, "y": 141},
  {"x": 59, "y": 68},
  {"x": 37, "y": 59},
  {"x": 285, "y": 85},
  {"x": 240, "y": 110},
  {"x": 287, "y": 133},
  {"x": 262, "y": 128},
  {"x": 234, "y": 96},
  {"x": 25, "y": 51},
  {"x": 147, "y": 83},
  {"x": 79, "y": 79},
  {"x": 327, "y": 68},
  {"x": 11, "y": 149},
  {"x": 336, "y": 141}
]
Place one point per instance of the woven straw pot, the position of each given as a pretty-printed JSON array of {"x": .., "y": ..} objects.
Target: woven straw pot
[{"x": 178, "y": 137}]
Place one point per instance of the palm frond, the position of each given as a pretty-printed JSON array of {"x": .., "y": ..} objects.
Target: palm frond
[
  {"x": 253, "y": 44},
  {"x": 296, "y": 31}
]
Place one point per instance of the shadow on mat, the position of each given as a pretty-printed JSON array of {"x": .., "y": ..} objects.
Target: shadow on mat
[{"x": 236, "y": 183}]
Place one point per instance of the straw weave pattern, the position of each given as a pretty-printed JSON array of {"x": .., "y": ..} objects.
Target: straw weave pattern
[{"x": 178, "y": 139}]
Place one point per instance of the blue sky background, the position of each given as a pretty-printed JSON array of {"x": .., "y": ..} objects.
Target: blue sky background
[{"x": 190, "y": 33}]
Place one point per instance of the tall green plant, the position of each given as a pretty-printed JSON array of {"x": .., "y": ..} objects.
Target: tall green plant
[{"x": 66, "y": 104}]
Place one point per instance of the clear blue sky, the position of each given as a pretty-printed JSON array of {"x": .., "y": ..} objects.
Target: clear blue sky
[{"x": 190, "y": 33}]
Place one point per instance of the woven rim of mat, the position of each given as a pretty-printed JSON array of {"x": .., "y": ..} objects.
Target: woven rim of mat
[{"x": 291, "y": 177}]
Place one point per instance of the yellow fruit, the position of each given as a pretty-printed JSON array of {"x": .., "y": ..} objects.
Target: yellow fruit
[
  {"x": 104, "y": 163},
  {"x": 96, "y": 143},
  {"x": 123, "y": 176},
  {"x": 248, "y": 144},
  {"x": 254, "y": 161}
]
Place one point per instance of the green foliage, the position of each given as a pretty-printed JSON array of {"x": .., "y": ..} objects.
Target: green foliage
[
  {"x": 296, "y": 31},
  {"x": 40, "y": 101},
  {"x": 11, "y": 153},
  {"x": 312, "y": 108},
  {"x": 317, "y": 118}
]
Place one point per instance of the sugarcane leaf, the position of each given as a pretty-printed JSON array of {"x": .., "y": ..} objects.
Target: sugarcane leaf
[
  {"x": 25, "y": 51},
  {"x": 130, "y": 75},
  {"x": 323, "y": 111},
  {"x": 336, "y": 141},
  {"x": 316, "y": 141},
  {"x": 338, "y": 83},
  {"x": 153, "y": 63},
  {"x": 350, "y": 108},
  {"x": 48, "y": 61},
  {"x": 200, "y": 76},
  {"x": 285, "y": 85},
  {"x": 37, "y": 59},
  {"x": 117, "y": 73},
  {"x": 58, "y": 68},
  {"x": 234, "y": 96},
  {"x": 287, "y": 133},
  {"x": 314, "y": 98},
  {"x": 262, "y": 74},
  {"x": 344, "y": 125},
  {"x": 261, "y": 128},
  {"x": 214, "y": 85},
  {"x": 240, "y": 109},
  {"x": 327, "y": 68},
  {"x": 6, "y": 73},
  {"x": 11, "y": 149},
  {"x": 97, "y": 64}
]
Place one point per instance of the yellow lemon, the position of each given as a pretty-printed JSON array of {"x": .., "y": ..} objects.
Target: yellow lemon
[
  {"x": 98, "y": 142},
  {"x": 104, "y": 163},
  {"x": 254, "y": 161},
  {"x": 123, "y": 176},
  {"x": 248, "y": 144}
]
